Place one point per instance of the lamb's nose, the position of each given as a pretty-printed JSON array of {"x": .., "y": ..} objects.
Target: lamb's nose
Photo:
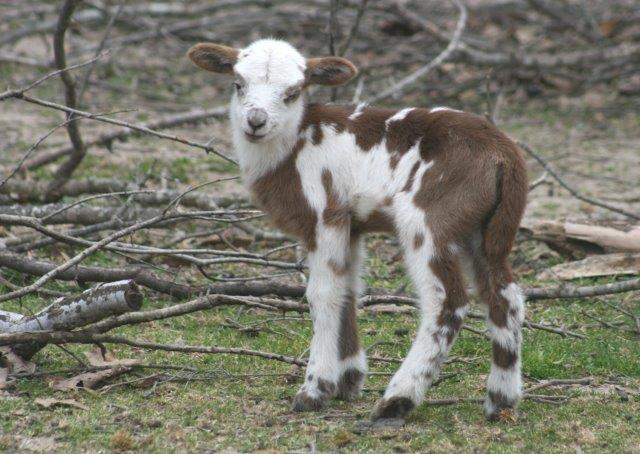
[{"x": 256, "y": 118}]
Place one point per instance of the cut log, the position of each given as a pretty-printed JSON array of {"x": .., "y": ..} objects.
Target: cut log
[
  {"x": 68, "y": 313},
  {"x": 576, "y": 240}
]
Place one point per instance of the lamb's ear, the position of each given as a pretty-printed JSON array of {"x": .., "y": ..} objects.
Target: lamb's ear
[
  {"x": 329, "y": 71},
  {"x": 214, "y": 57}
]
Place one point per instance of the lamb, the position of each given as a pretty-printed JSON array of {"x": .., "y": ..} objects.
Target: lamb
[{"x": 448, "y": 184}]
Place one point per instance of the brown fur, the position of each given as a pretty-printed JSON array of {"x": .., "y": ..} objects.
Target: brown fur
[
  {"x": 349, "y": 384},
  {"x": 279, "y": 193},
  {"x": 348, "y": 341},
  {"x": 329, "y": 71},
  {"x": 336, "y": 214},
  {"x": 412, "y": 175},
  {"x": 473, "y": 196},
  {"x": 502, "y": 357},
  {"x": 447, "y": 270},
  {"x": 214, "y": 57}
]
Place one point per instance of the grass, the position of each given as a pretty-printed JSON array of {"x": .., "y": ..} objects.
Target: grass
[{"x": 243, "y": 402}]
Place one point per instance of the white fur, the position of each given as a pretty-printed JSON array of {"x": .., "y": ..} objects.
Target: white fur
[
  {"x": 358, "y": 111},
  {"x": 399, "y": 116},
  {"x": 507, "y": 382},
  {"x": 363, "y": 180},
  {"x": 442, "y": 108},
  {"x": 267, "y": 69}
]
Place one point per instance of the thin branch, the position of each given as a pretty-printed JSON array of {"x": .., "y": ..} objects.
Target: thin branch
[
  {"x": 354, "y": 28},
  {"x": 445, "y": 54},
  {"x": 572, "y": 191},
  {"x": 64, "y": 172},
  {"x": 137, "y": 127}
]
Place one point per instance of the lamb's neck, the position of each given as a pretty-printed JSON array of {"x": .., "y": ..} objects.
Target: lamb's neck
[{"x": 258, "y": 159}]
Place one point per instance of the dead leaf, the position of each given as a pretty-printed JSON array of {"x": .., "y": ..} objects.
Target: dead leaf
[
  {"x": 17, "y": 365},
  {"x": 89, "y": 380},
  {"x": 48, "y": 402},
  {"x": 608, "y": 26},
  {"x": 508, "y": 415}
]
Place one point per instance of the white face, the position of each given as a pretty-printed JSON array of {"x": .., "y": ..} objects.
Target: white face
[
  {"x": 268, "y": 80},
  {"x": 269, "y": 77}
]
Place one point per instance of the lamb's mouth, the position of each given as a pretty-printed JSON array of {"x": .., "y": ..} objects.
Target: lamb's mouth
[{"x": 254, "y": 137}]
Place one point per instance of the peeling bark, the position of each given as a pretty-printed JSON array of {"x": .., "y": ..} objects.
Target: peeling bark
[{"x": 65, "y": 314}]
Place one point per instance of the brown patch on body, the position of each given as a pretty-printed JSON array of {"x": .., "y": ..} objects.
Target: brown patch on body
[
  {"x": 368, "y": 128},
  {"x": 377, "y": 221},
  {"x": 279, "y": 193},
  {"x": 412, "y": 175},
  {"x": 336, "y": 213},
  {"x": 404, "y": 134},
  {"x": 447, "y": 269}
]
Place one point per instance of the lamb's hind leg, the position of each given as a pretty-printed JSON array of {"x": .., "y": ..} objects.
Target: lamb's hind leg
[
  {"x": 337, "y": 365},
  {"x": 505, "y": 314},
  {"x": 443, "y": 302}
]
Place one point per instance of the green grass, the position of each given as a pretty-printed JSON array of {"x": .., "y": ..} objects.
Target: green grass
[{"x": 244, "y": 403}]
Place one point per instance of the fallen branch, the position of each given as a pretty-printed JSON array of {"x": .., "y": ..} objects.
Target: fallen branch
[
  {"x": 147, "y": 279},
  {"x": 65, "y": 337},
  {"x": 68, "y": 313},
  {"x": 569, "y": 236}
]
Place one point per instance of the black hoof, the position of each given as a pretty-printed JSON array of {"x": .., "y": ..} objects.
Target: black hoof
[
  {"x": 304, "y": 402},
  {"x": 394, "y": 408},
  {"x": 498, "y": 407}
]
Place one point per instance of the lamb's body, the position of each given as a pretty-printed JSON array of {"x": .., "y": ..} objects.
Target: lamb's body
[
  {"x": 372, "y": 162},
  {"x": 449, "y": 184}
]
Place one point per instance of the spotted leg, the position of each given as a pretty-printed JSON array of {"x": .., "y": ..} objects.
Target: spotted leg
[
  {"x": 504, "y": 320},
  {"x": 442, "y": 299},
  {"x": 337, "y": 366},
  {"x": 353, "y": 362}
]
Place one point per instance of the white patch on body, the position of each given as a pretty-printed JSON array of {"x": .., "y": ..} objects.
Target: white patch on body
[
  {"x": 441, "y": 108},
  {"x": 399, "y": 115},
  {"x": 358, "y": 111}
]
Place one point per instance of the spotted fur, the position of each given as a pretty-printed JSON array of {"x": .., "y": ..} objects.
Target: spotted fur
[{"x": 448, "y": 184}]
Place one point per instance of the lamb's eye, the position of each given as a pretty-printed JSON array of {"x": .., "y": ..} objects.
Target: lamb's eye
[
  {"x": 238, "y": 87},
  {"x": 289, "y": 97}
]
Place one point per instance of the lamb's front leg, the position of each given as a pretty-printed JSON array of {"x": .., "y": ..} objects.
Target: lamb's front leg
[{"x": 337, "y": 364}]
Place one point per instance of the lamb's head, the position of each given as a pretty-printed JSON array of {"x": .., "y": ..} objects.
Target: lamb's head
[{"x": 269, "y": 79}]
